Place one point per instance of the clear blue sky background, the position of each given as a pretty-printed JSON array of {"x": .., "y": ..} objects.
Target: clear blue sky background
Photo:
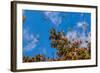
[{"x": 38, "y": 24}]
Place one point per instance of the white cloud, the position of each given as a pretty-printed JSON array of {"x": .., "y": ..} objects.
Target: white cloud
[
  {"x": 83, "y": 25},
  {"x": 54, "y": 17},
  {"x": 31, "y": 45},
  {"x": 72, "y": 35},
  {"x": 76, "y": 34},
  {"x": 30, "y": 39},
  {"x": 83, "y": 36},
  {"x": 27, "y": 36},
  {"x": 83, "y": 45},
  {"x": 79, "y": 24},
  {"x": 89, "y": 37}
]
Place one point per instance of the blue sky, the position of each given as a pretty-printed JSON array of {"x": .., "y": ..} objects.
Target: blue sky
[{"x": 38, "y": 23}]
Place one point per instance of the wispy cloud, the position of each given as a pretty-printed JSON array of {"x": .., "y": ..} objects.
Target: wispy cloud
[
  {"x": 85, "y": 40},
  {"x": 31, "y": 45},
  {"x": 54, "y": 17},
  {"x": 75, "y": 34},
  {"x": 30, "y": 39},
  {"x": 83, "y": 25},
  {"x": 72, "y": 35}
]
